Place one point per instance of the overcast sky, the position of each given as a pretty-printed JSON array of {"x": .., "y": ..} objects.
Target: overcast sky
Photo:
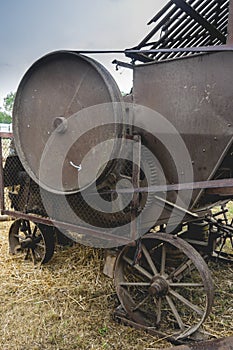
[{"x": 31, "y": 28}]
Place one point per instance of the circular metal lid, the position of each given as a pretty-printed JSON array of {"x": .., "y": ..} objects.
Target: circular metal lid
[{"x": 65, "y": 109}]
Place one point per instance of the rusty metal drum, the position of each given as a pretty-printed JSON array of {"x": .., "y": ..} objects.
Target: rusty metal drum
[{"x": 54, "y": 91}]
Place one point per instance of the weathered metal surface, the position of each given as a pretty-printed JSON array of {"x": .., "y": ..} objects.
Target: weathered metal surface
[
  {"x": 135, "y": 182},
  {"x": 56, "y": 87},
  {"x": 194, "y": 95},
  {"x": 225, "y": 191}
]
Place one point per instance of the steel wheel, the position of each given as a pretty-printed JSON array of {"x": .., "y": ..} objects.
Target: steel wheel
[
  {"x": 223, "y": 248},
  {"x": 164, "y": 284},
  {"x": 34, "y": 241}
]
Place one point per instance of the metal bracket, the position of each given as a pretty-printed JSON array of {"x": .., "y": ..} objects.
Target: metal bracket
[{"x": 136, "y": 183}]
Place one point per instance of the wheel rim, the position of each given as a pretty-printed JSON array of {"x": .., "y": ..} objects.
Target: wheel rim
[
  {"x": 170, "y": 288},
  {"x": 224, "y": 242},
  {"x": 27, "y": 240}
]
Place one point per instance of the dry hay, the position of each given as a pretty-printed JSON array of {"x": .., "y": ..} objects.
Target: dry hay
[{"x": 68, "y": 304}]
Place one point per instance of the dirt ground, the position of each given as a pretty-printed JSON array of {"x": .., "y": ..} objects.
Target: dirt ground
[{"x": 68, "y": 303}]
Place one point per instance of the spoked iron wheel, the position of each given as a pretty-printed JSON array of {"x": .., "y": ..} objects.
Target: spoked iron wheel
[
  {"x": 224, "y": 243},
  {"x": 224, "y": 247},
  {"x": 164, "y": 283},
  {"x": 34, "y": 241}
]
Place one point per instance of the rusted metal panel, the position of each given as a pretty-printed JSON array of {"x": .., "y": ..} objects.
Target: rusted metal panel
[
  {"x": 220, "y": 191},
  {"x": 194, "y": 94}
]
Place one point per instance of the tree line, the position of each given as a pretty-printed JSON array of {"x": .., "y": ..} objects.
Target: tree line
[{"x": 6, "y": 111}]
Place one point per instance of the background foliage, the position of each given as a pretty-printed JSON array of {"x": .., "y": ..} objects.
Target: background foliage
[{"x": 6, "y": 111}]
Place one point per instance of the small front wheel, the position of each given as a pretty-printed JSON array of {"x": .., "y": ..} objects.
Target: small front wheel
[{"x": 33, "y": 241}]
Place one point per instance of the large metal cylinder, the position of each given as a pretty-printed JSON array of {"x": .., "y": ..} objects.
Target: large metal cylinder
[{"x": 51, "y": 96}]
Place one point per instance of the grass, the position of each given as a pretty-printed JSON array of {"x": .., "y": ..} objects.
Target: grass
[{"x": 68, "y": 304}]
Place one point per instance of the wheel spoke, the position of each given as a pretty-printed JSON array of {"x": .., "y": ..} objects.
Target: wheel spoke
[
  {"x": 186, "y": 285},
  {"x": 163, "y": 260},
  {"x": 27, "y": 254},
  {"x": 137, "y": 267},
  {"x": 231, "y": 240},
  {"x": 175, "y": 313},
  {"x": 38, "y": 252},
  {"x": 141, "y": 303},
  {"x": 159, "y": 310},
  {"x": 33, "y": 256},
  {"x": 29, "y": 228},
  {"x": 34, "y": 231},
  {"x": 149, "y": 260},
  {"x": 222, "y": 245},
  {"x": 40, "y": 245},
  {"x": 142, "y": 284},
  {"x": 186, "y": 302},
  {"x": 19, "y": 237},
  {"x": 184, "y": 266}
]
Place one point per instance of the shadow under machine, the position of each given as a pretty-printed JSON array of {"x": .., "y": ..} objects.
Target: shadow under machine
[{"x": 135, "y": 174}]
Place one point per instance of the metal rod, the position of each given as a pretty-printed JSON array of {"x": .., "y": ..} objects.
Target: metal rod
[
  {"x": 161, "y": 12},
  {"x": 212, "y": 48},
  {"x": 172, "y": 17},
  {"x": 159, "y": 25},
  {"x": 81, "y": 229},
  {"x": 136, "y": 183},
  {"x": 223, "y": 183}
]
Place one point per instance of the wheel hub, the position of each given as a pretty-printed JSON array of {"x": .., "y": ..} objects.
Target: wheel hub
[
  {"x": 30, "y": 242},
  {"x": 27, "y": 243},
  {"x": 159, "y": 287}
]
